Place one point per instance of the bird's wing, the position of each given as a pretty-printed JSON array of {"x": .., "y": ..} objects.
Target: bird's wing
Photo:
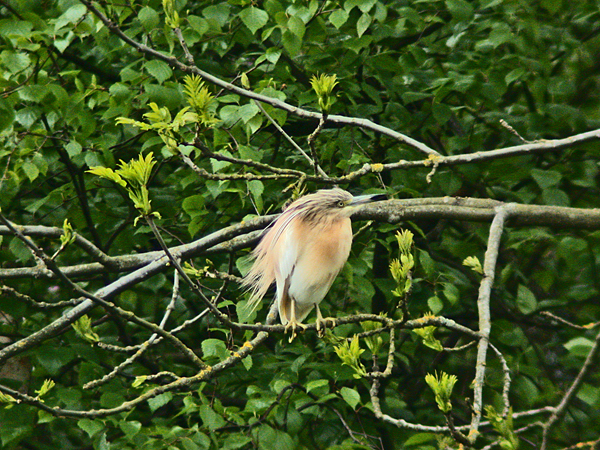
[
  {"x": 286, "y": 251},
  {"x": 284, "y": 303},
  {"x": 269, "y": 263}
]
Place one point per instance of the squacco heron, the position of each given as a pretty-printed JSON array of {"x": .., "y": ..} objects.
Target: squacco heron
[{"x": 302, "y": 252}]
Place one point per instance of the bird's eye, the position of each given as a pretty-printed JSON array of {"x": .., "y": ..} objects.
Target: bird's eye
[{"x": 341, "y": 204}]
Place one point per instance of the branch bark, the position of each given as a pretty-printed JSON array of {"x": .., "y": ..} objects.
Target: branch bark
[
  {"x": 483, "y": 310},
  {"x": 392, "y": 211}
]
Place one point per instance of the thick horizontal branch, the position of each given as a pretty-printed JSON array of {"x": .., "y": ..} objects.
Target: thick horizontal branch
[
  {"x": 392, "y": 211},
  {"x": 125, "y": 263},
  {"x": 479, "y": 210},
  {"x": 152, "y": 267}
]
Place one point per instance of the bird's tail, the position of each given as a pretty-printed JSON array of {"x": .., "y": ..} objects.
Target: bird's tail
[{"x": 257, "y": 282}]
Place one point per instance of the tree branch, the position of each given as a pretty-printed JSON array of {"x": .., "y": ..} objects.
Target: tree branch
[
  {"x": 175, "y": 63},
  {"x": 483, "y": 310},
  {"x": 562, "y": 406},
  {"x": 392, "y": 211}
]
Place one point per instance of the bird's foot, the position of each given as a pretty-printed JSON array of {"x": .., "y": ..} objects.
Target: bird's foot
[
  {"x": 321, "y": 324},
  {"x": 294, "y": 325}
]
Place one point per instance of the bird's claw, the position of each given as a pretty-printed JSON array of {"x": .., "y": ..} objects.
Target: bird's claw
[
  {"x": 321, "y": 324},
  {"x": 294, "y": 325}
]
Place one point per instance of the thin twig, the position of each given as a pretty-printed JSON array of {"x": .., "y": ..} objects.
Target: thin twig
[
  {"x": 312, "y": 161},
  {"x": 562, "y": 406},
  {"x": 7, "y": 290},
  {"x": 51, "y": 264},
  {"x": 311, "y": 142},
  {"x": 556, "y": 318},
  {"x": 390, "y": 359},
  {"x": 246, "y": 162},
  {"x": 145, "y": 345},
  {"x": 507, "y": 380}
]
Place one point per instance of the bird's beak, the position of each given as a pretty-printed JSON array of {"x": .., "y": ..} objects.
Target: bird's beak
[{"x": 362, "y": 199}]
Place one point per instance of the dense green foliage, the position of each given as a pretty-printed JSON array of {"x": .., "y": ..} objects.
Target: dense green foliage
[{"x": 77, "y": 96}]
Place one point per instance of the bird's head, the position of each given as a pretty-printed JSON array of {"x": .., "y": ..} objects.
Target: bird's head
[{"x": 333, "y": 203}]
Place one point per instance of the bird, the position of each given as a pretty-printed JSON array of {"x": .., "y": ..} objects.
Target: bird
[{"x": 302, "y": 252}]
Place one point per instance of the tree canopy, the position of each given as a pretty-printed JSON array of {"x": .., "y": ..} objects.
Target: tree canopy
[{"x": 147, "y": 144}]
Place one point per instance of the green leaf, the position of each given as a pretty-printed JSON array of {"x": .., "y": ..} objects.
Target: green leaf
[
  {"x": 247, "y": 152},
  {"x": 555, "y": 197},
  {"x": 218, "y": 166},
  {"x": 460, "y": 9},
  {"x": 248, "y": 111},
  {"x": 272, "y": 55},
  {"x": 210, "y": 418},
  {"x": 419, "y": 439},
  {"x": 73, "y": 148},
  {"x": 338, "y": 18},
  {"x": 149, "y": 18},
  {"x": 351, "y": 396},
  {"x": 363, "y": 24},
  {"x": 71, "y": 15},
  {"x": 235, "y": 441},
  {"x": 451, "y": 293},
  {"x": 7, "y": 114},
  {"x": 17, "y": 423},
  {"x": 318, "y": 385},
  {"x": 10, "y": 28},
  {"x": 194, "y": 205},
  {"x": 546, "y": 178},
  {"x": 435, "y": 304},
  {"x": 53, "y": 358},
  {"x": 579, "y": 346},
  {"x": 427, "y": 333},
  {"x": 247, "y": 362},
  {"x": 364, "y": 5},
  {"x": 215, "y": 348},
  {"x": 160, "y": 400},
  {"x": 218, "y": 13},
  {"x": 474, "y": 264},
  {"x": 130, "y": 428},
  {"x": 91, "y": 427},
  {"x": 514, "y": 75},
  {"x": 199, "y": 25},
  {"x": 296, "y": 26},
  {"x": 159, "y": 70},
  {"x": 267, "y": 436},
  {"x": 256, "y": 188},
  {"x": 254, "y": 18},
  {"x": 526, "y": 301},
  {"x": 291, "y": 42},
  {"x": 45, "y": 388},
  {"x": 30, "y": 170}
]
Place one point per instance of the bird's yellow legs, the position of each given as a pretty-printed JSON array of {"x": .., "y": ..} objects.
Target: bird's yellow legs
[
  {"x": 322, "y": 322},
  {"x": 293, "y": 324}
]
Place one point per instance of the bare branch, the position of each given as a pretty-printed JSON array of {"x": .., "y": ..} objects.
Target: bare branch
[
  {"x": 483, "y": 309},
  {"x": 312, "y": 161},
  {"x": 564, "y": 403},
  {"x": 391, "y": 211},
  {"x": 507, "y": 380},
  {"x": 142, "y": 348},
  {"x": 153, "y": 264}
]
